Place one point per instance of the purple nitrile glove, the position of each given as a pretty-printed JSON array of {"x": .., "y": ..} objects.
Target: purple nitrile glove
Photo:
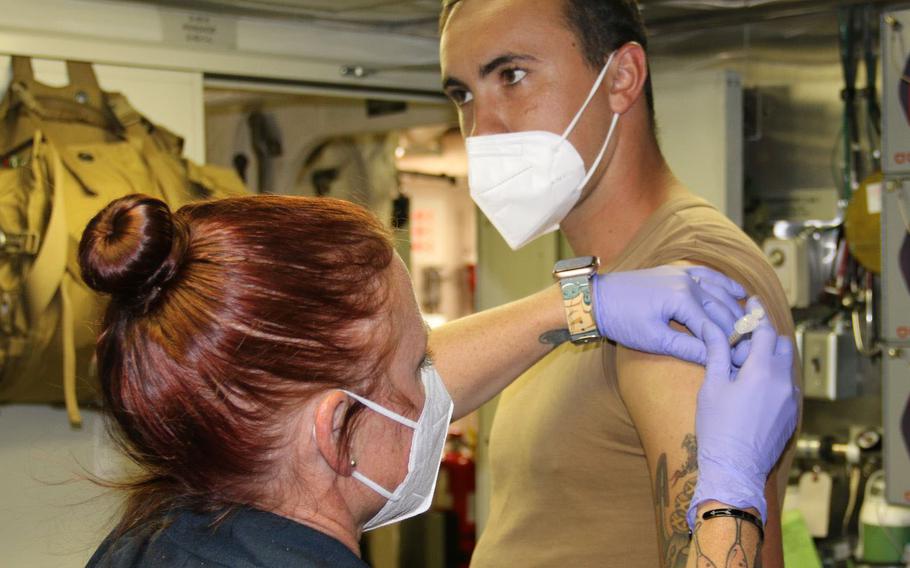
[
  {"x": 635, "y": 308},
  {"x": 743, "y": 419}
]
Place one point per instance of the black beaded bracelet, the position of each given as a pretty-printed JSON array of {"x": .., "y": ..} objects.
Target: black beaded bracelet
[{"x": 737, "y": 514}]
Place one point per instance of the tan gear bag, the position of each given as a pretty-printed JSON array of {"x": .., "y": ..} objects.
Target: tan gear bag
[{"x": 65, "y": 153}]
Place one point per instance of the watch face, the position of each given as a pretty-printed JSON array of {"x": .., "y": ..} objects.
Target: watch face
[{"x": 577, "y": 263}]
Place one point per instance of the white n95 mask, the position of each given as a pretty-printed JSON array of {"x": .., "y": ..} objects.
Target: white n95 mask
[
  {"x": 414, "y": 494},
  {"x": 527, "y": 182}
]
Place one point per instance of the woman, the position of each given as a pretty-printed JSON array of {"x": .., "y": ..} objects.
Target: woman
[{"x": 265, "y": 364}]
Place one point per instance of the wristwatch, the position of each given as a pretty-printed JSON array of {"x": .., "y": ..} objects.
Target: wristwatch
[{"x": 574, "y": 275}]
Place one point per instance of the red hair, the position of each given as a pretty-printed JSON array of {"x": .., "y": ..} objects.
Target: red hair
[{"x": 225, "y": 316}]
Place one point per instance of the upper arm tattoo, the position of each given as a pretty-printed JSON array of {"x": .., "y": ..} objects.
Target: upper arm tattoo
[
  {"x": 690, "y": 444},
  {"x": 672, "y": 527}
]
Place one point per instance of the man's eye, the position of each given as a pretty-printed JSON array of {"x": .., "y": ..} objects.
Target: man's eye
[
  {"x": 513, "y": 76},
  {"x": 461, "y": 97}
]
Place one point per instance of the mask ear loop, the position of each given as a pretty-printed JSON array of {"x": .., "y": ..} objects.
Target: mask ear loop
[
  {"x": 603, "y": 150},
  {"x": 594, "y": 89},
  {"x": 388, "y": 495},
  {"x": 374, "y": 486},
  {"x": 382, "y": 410}
]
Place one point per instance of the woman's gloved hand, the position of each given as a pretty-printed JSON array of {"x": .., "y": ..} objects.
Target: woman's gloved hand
[
  {"x": 635, "y": 309},
  {"x": 744, "y": 418}
]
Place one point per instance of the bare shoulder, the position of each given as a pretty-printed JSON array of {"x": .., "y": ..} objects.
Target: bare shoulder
[{"x": 659, "y": 392}]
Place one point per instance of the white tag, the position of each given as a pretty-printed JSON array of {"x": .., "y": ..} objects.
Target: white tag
[
  {"x": 874, "y": 198},
  {"x": 815, "y": 501}
]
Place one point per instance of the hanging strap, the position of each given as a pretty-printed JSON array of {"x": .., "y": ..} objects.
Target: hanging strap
[
  {"x": 69, "y": 359},
  {"x": 25, "y": 96},
  {"x": 81, "y": 100},
  {"x": 44, "y": 282},
  {"x": 126, "y": 114},
  {"x": 21, "y": 72},
  {"x": 22, "y": 68},
  {"x": 82, "y": 75}
]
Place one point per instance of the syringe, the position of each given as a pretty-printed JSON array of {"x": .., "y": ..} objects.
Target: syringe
[{"x": 746, "y": 325}]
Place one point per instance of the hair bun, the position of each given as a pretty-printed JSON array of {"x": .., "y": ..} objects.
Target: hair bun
[{"x": 131, "y": 248}]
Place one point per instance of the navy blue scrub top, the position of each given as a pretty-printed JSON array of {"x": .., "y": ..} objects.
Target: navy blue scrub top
[{"x": 246, "y": 538}]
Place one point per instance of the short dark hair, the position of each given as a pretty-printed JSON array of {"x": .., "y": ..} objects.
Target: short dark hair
[{"x": 602, "y": 26}]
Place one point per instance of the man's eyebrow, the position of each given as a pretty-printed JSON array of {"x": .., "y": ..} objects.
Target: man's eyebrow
[
  {"x": 487, "y": 68},
  {"x": 503, "y": 59},
  {"x": 449, "y": 82}
]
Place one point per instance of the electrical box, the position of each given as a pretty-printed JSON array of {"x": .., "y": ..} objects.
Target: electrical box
[
  {"x": 830, "y": 364},
  {"x": 895, "y": 42},
  {"x": 896, "y": 422},
  {"x": 789, "y": 258},
  {"x": 895, "y": 262}
]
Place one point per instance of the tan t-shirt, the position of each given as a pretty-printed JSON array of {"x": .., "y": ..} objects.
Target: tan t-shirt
[{"x": 570, "y": 481}]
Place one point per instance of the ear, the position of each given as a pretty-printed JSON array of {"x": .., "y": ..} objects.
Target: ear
[
  {"x": 327, "y": 424},
  {"x": 626, "y": 80}
]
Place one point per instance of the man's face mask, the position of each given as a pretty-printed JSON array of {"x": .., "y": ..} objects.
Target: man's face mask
[
  {"x": 414, "y": 494},
  {"x": 527, "y": 182}
]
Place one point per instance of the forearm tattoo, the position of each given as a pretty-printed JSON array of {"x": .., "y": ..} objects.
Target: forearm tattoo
[
  {"x": 672, "y": 527},
  {"x": 736, "y": 556},
  {"x": 555, "y": 337}
]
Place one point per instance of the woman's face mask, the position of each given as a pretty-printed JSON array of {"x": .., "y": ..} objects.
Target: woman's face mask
[
  {"x": 527, "y": 182},
  {"x": 415, "y": 493}
]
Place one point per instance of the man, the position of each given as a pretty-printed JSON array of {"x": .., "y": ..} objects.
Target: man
[{"x": 593, "y": 449}]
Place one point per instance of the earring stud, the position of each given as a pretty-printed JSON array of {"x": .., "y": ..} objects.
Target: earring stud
[{"x": 353, "y": 462}]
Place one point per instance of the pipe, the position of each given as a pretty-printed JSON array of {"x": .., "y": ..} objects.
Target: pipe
[{"x": 721, "y": 18}]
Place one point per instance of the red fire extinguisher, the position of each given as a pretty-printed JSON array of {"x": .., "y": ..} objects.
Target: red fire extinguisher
[{"x": 458, "y": 469}]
